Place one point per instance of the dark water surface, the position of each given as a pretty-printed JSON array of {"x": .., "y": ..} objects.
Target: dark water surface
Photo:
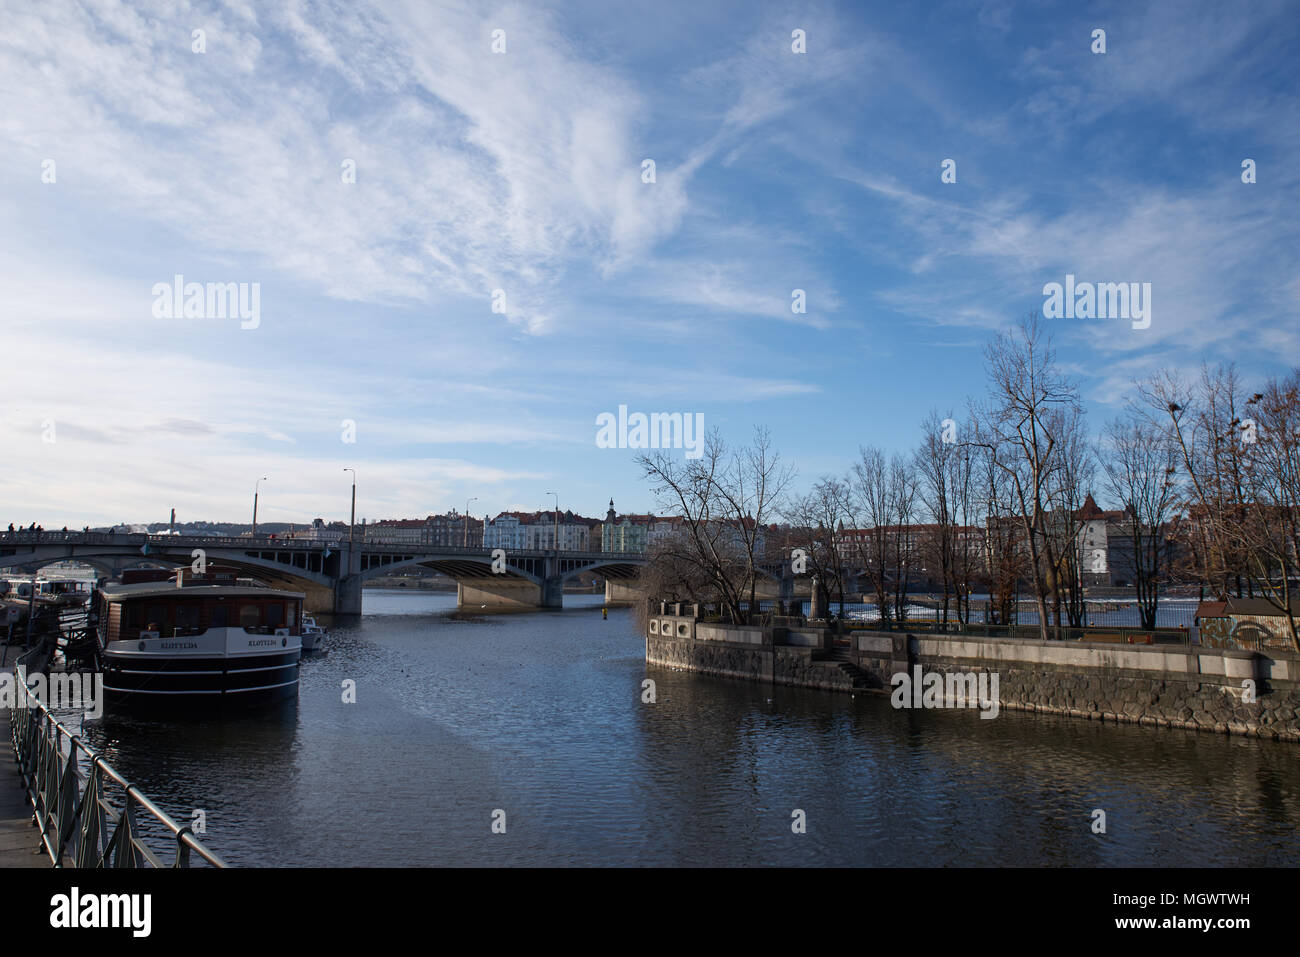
[{"x": 540, "y": 715}]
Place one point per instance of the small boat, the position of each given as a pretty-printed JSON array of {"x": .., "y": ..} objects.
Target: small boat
[
  {"x": 179, "y": 638},
  {"x": 313, "y": 635}
]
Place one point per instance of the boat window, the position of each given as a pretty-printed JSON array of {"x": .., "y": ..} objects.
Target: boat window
[
  {"x": 274, "y": 614},
  {"x": 219, "y": 617},
  {"x": 156, "y": 617},
  {"x": 187, "y": 619},
  {"x": 250, "y": 616},
  {"x": 289, "y": 615}
]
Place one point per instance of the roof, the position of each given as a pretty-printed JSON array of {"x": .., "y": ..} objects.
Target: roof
[
  {"x": 1212, "y": 609},
  {"x": 169, "y": 590},
  {"x": 1259, "y": 607}
]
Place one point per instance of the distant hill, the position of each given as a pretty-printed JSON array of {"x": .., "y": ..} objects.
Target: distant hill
[{"x": 208, "y": 528}]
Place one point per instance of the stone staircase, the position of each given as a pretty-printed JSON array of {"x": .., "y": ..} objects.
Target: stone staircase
[{"x": 841, "y": 658}]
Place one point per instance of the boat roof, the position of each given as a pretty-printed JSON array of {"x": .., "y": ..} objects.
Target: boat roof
[{"x": 169, "y": 590}]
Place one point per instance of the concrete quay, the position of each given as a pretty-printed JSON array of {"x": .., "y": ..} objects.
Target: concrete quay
[
  {"x": 19, "y": 840},
  {"x": 1228, "y": 691}
]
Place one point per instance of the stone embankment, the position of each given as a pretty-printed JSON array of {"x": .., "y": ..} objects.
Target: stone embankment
[{"x": 1172, "y": 686}]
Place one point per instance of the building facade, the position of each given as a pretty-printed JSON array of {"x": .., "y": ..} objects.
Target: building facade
[
  {"x": 539, "y": 530},
  {"x": 451, "y": 529}
]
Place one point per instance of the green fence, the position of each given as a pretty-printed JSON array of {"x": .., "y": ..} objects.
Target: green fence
[{"x": 85, "y": 810}]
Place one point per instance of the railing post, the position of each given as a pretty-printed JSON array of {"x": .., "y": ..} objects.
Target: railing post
[
  {"x": 182, "y": 848},
  {"x": 92, "y": 821},
  {"x": 124, "y": 852},
  {"x": 68, "y": 806}
]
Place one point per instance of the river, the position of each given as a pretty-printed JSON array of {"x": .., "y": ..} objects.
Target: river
[{"x": 540, "y": 716}]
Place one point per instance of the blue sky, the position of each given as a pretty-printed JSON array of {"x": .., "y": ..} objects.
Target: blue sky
[{"x": 521, "y": 171}]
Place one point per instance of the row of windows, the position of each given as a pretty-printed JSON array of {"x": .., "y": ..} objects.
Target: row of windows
[{"x": 191, "y": 618}]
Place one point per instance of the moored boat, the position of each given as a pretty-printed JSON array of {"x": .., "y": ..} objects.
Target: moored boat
[
  {"x": 313, "y": 635},
  {"x": 209, "y": 638}
]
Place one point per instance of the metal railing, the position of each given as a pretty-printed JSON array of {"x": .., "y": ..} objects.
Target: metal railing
[
  {"x": 267, "y": 544},
  {"x": 80, "y": 824}
]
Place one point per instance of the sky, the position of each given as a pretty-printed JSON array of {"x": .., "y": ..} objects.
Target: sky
[{"x": 500, "y": 273}]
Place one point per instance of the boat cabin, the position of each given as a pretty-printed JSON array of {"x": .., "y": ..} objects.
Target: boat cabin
[{"x": 190, "y": 604}]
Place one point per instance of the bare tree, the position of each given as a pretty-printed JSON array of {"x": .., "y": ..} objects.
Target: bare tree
[
  {"x": 1070, "y": 478},
  {"x": 871, "y": 507},
  {"x": 1239, "y": 462},
  {"x": 939, "y": 467},
  {"x": 1203, "y": 424},
  {"x": 816, "y": 519},
  {"x": 1027, "y": 392},
  {"x": 1270, "y": 465},
  {"x": 673, "y": 573},
  {"x": 902, "y": 502},
  {"x": 1141, "y": 467},
  {"x": 1002, "y": 563},
  {"x": 724, "y": 499}
]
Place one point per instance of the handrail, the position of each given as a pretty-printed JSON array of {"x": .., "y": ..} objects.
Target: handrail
[
  {"x": 72, "y": 809},
  {"x": 46, "y": 537}
]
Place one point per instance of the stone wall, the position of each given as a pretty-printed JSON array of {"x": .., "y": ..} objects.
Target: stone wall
[
  {"x": 1171, "y": 686},
  {"x": 1165, "y": 703},
  {"x": 777, "y": 664}
]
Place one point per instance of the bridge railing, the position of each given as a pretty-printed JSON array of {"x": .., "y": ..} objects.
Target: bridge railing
[
  {"x": 80, "y": 821},
  {"x": 266, "y": 543}
]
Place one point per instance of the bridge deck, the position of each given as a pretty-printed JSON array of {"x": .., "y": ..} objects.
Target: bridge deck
[{"x": 18, "y": 839}]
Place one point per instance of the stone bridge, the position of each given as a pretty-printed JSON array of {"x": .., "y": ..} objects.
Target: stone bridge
[{"x": 331, "y": 573}]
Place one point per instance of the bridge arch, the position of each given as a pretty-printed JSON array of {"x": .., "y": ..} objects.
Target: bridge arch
[{"x": 330, "y": 573}]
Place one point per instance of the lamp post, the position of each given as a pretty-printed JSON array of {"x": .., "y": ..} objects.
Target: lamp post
[
  {"x": 557, "y": 520},
  {"x": 467, "y": 501},
  {"x": 353, "y": 520},
  {"x": 255, "y": 491}
]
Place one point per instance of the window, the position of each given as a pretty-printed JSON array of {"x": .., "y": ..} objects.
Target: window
[
  {"x": 274, "y": 614},
  {"x": 187, "y": 619},
  {"x": 250, "y": 616},
  {"x": 220, "y": 616},
  {"x": 156, "y": 617}
]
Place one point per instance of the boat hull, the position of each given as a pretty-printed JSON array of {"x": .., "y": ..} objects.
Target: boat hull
[{"x": 223, "y": 667}]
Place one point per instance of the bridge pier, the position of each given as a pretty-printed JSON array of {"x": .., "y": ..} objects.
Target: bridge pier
[
  {"x": 347, "y": 586},
  {"x": 347, "y": 596},
  {"x": 622, "y": 592},
  {"x": 496, "y": 595}
]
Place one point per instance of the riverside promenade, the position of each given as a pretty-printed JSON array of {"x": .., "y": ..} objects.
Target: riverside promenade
[{"x": 18, "y": 839}]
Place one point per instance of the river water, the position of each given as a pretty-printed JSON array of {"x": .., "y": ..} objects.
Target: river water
[{"x": 540, "y": 716}]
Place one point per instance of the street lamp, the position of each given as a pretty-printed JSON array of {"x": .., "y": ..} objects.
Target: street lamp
[
  {"x": 557, "y": 520},
  {"x": 353, "y": 520},
  {"x": 255, "y": 491},
  {"x": 467, "y": 501}
]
